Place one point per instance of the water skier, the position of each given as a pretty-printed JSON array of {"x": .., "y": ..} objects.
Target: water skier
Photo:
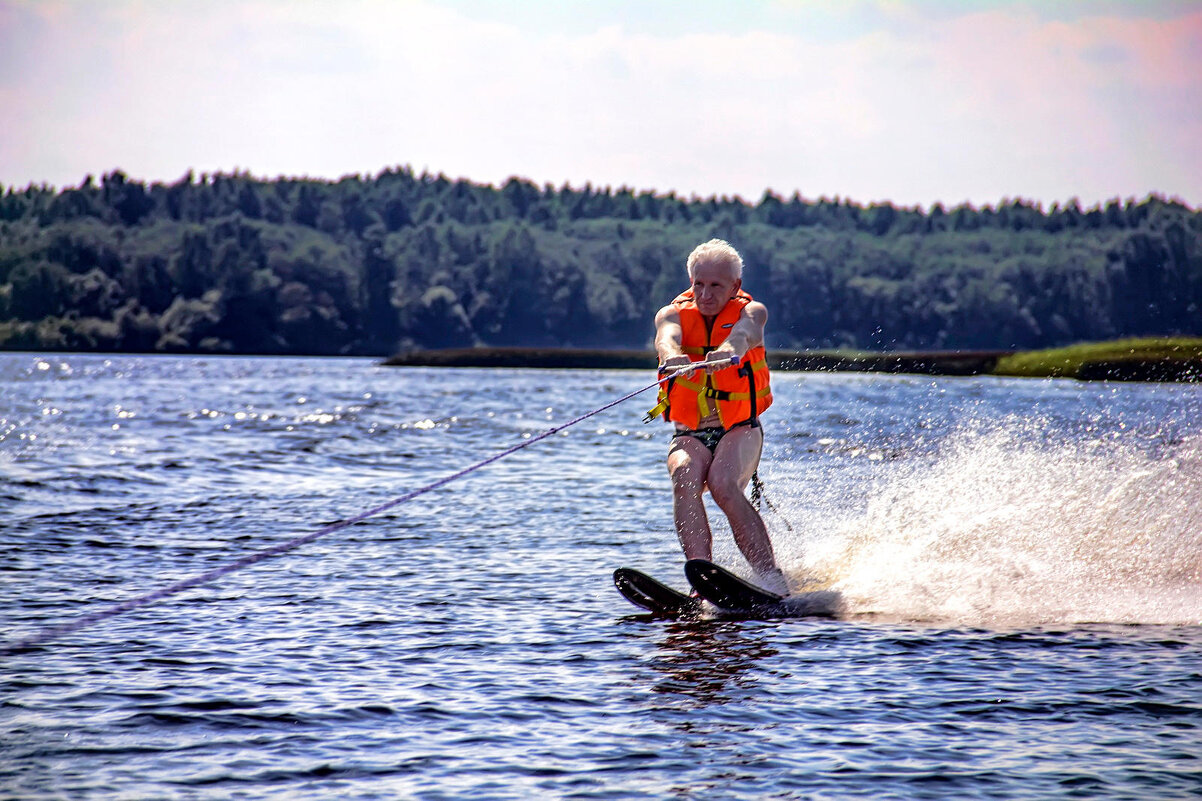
[{"x": 716, "y": 408}]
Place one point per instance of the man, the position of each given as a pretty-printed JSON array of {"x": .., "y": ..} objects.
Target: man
[{"x": 716, "y": 407}]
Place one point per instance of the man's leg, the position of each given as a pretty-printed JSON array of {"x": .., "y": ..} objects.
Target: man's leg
[
  {"x": 688, "y": 463},
  {"x": 737, "y": 457}
]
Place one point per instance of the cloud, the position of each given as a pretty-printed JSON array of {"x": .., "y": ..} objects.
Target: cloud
[{"x": 886, "y": 101}]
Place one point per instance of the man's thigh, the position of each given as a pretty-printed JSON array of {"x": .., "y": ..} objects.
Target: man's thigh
[
  {"x": 738, "y": 455},
  {"x": 688, "y": 460}
]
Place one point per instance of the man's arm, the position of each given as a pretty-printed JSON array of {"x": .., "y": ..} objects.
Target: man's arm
[{"x": 668, "y": 338}]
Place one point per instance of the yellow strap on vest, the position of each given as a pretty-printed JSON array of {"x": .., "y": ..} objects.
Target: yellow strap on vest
[
  {"x": 660, "y": 407},
  {"x": 702, "y": 391},
  {"x": 742, "y": 396},
  {"x": 693, "y": 385}
]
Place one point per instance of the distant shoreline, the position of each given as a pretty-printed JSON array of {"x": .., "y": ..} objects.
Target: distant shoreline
[
  {"x": 1159, "y": 359},
  {"x": 930, "y": 363}
]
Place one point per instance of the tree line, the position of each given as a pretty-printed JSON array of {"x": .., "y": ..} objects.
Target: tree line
[{"x": 370, "y": 265}]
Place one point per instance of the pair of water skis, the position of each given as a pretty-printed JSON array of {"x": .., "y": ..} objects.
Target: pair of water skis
[{"x": 722, "y": 588}]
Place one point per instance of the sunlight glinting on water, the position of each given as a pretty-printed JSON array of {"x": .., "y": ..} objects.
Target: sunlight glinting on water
[{"x": 470, "y": 643}]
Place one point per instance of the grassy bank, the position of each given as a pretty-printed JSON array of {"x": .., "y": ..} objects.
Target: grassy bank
[{"x": 1148, "y": 359}]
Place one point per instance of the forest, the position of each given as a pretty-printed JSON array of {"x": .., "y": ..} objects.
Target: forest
[{"x": 372, "y": 265}]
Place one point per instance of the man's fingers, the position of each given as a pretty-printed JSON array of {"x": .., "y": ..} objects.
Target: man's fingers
[
  {"x": 710, "y": 364},
  {"x": 680, "y": 369},
  {"x": 714, "y": 364}
]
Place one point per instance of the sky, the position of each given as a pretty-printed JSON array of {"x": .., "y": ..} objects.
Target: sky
[{"x": 907, "y": 101}]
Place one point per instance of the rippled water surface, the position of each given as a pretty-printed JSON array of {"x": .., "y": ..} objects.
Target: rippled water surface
[{"x": 1020, "y": 564}]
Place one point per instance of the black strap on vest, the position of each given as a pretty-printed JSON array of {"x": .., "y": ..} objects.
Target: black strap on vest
[{"x": 745, "y": 370}]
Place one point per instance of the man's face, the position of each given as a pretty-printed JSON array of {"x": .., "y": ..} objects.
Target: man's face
[{"x": 713, "y": 286}]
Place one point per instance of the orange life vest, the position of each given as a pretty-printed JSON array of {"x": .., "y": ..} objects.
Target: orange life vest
[{"x": 738, "y": 393}]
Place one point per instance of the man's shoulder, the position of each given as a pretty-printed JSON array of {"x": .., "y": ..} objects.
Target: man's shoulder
[
  {"x": 669, "y": 313},
  {"x": 753, "y": 305},
  {"x": 754, "y": 310}
]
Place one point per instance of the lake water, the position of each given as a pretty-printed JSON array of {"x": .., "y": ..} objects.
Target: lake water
[{"x": 1020, "y": 564}]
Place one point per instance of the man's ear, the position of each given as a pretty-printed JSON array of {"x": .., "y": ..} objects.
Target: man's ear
[{"x": 738, "y": 286}]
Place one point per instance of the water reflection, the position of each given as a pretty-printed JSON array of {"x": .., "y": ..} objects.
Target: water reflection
[
  {"x": 709, "y": 678},
  {"x": 708, "y": 662}
]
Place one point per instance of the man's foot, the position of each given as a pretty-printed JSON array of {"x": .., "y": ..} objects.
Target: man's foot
[{"x": 774, "y": 581}]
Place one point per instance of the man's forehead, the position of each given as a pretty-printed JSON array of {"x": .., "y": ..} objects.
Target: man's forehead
[{"x": 715, "y": 269}]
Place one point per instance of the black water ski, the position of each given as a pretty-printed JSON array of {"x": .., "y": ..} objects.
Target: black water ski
[
  {"x": 726, "y": 590},
  {"x": 659, "y": 599}
]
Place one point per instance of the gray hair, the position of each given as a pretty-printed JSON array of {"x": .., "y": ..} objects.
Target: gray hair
[{"x": 716, "y": 250}]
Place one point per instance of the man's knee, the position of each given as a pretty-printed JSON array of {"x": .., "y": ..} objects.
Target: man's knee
[
  {"x": 683, "y": 468},
  {"x": 726, "y": 491}
]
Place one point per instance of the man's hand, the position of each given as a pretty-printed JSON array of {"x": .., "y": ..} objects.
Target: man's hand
[
  {"x": 674, "y": 363},
  {"x": 719, "y": 359},
  {"x": 714, "y": 361}
]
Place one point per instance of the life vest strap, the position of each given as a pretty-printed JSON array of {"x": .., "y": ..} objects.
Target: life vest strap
[
  {"x": 660, "y": 407},
  {"x": 705, "y": 393},
  {"x": 742, "y": 396}
]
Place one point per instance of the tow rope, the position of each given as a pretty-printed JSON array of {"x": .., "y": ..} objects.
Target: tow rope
[{"x": 63, "y": 629}]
